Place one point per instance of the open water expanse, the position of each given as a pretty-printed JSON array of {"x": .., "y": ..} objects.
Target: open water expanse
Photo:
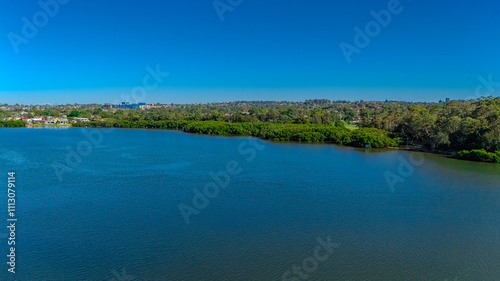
[{"x": 164, "y": 205}]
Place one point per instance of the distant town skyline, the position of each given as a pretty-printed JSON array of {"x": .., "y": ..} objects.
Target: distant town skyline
[{"x": 187, "y": 96}]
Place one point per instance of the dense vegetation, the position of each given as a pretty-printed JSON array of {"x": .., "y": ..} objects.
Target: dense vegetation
[
  {"x": 479, "y": 155},
  {"x": 12, "y": 124},
  {"x": 279, "y": 132},
  {"x": 451, "y": 126},
  {"x": 444, "y": 127}
]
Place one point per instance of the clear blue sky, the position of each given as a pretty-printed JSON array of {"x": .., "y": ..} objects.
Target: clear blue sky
[{"x": 97, "y": 51}]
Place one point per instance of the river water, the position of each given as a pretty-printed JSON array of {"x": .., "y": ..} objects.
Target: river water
[{"x": 164, "y": 205}]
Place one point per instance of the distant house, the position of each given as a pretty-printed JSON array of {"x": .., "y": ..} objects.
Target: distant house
[{"x": 82, "y": 119}]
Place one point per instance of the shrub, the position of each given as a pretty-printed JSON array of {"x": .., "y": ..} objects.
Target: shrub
[{"x": 479, "y": 155}]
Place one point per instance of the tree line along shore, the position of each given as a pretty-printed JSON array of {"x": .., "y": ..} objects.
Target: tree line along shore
[{"x": 468, "y": 130}]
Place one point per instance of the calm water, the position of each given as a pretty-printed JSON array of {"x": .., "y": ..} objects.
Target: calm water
[{"x": 116, "y": 216}]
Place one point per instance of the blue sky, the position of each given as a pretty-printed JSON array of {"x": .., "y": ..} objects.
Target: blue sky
[{"x": 98, "y": 51}]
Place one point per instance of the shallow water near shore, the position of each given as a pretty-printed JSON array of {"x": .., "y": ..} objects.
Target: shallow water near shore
[{"x": 98, "y": 204}]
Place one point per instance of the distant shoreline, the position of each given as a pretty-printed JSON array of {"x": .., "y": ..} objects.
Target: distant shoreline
[
  {"x": 51, "y": 125},
  {"x": 313, "y": 140}
]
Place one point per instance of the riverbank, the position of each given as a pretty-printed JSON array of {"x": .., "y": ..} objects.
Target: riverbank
[
  {"x": 310, "y": 133},
  {"x": 48, "y": 125},
  {"x": 301, "y": 133},
  {"x": 22, "y": 124}
]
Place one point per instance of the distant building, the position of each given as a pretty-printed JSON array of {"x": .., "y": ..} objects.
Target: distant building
[
  {"x": 126, "y": 105},
  {"x": 37, "y": 120},
  {"x": 57, "y": 121},
  {"x": 137, "y": 105}
]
